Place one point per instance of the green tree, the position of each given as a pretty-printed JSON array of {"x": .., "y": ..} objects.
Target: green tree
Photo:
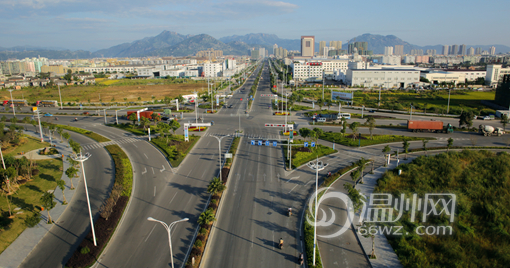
[
  {"x": 144, "y": 122},
  {"x": 328, "y": 103},
  {"x": 385, "y": 151},
  {"x": 371, "y": 125},
  {"x": 425, "y": 145},
  {"x": 355, "y": 175},
  {"x": 504, "y": 121},
  {"x": 320, "y": 102},
  {"x": 207, "y": 217},
  {"x": 362, "y": 163},
  {"x": 156, "y": 117},
  {"x": 368, "y": 228},
  {"x": 180, "y": 98},
  {"x": 66, "y": 136},
  {"x": 354, "y": 126},
  {"x": 14, "y": 120},
  {"x": 48, "y": 203},
  {"x": 355, "y": 196},
  {"x": 216, "y": 186},
  {"x": 76, "y": 147},
  {"x": 318, "y": 133},
  {"x": 466, "y": 118},
  {"x": 60, "y": 130},
  {"x": 71, "y": 172},
  {"x": 163, "y": 130},
  {"x": 62, "y": 185},
  {"x": 304, "y": 132},
  {"x": 450, "y": 144},
  {"x": 405, "y": 145},
  {"x": 174, "y": 125},
  {"x": 133, "y": 117},
  {"x": 344, "y": 126},
  {"x": 34, "y": 123}
]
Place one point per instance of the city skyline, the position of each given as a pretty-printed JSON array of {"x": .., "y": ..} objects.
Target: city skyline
[{"x": 92, "y": 25}]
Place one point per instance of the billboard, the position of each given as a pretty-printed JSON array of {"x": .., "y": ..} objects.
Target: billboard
[{"x": 343, "y": 96}]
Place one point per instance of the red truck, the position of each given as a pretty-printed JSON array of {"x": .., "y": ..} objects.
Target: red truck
[
  {"x": 146, "y": 114},
  {"x": 428, "y": 126}
]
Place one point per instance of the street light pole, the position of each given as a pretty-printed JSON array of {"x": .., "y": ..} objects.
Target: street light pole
[
  {"x": 61, "y": 105},
  {"x": 219, "y": 150},
  {"x": 317, "y": 167},
  {"x": 411, "y": 115},
  {"x": 12, "y": 103},
  {"x": 448, "y": 107},
  {"x": 168, "y": 230},
  {"x": 81, "y": 158},
  {"x": 104, "y": 110}
]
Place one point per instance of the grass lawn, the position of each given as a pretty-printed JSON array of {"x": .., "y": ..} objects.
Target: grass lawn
[
  {"x": 29, "y": 143},
  {"x": 176, "y": 149},
  {"x": 347, "y": 140},
  {"x": 301, "y": 155},
  {"x": 296, "y": 107},
  {"x": 130, "y": 128},
  {"x": 27, "y": 198},
  {"x": 88, "y": 133}
]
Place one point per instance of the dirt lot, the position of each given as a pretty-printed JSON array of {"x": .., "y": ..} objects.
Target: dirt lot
[{"x": 108, "y": 93}]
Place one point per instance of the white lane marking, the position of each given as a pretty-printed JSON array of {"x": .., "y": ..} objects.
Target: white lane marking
[
  {"x": 273, "y": 240},
  {"x": 154, "y": 190},
  {"x": 143, "y": 172},
  {"x": 145, "y": 156},
  {"x": 152, "y": 170},
  {"x": 292, "y": 179},
  {"x": 293, "y": 188},
  {"x": 309, "y": 182},
  {"x": 161, "y": 170},
  {"x": 252, "y": 238},
  {"x": 172, "y": 198},
  {"x": 135, "y": 145},
  {"x": 149, "y": 233}
]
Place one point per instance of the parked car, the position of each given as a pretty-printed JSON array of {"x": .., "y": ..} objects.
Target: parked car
[
  {"x": 230, "y": 106},
  {"x": 86, "y": 113},
  {"x": 487, "y": 118},
  {"x": 371, "y": 111},
  {"x": 321, "y": 120},
  {"x": 48, "y": 114}
]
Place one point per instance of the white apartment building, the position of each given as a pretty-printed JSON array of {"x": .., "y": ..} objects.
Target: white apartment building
[
  {"x": 495, "y": 74},
  {"x": 212, "y": 69},
  {"x": 389, "y": 78},
  {"x": 304, "y": 70},
  {"x": 388, "y": 51},
  {"x": 391, "y": 60},
  {"x": 454, "y": 76},
  {"x": 118, "y": 69}
]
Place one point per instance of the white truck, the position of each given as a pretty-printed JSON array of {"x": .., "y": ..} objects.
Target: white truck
[{"x": 490, "y": 130}]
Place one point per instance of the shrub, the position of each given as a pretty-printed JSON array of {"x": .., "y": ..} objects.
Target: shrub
[
  {"x": 196, "y": 252},
  {"x": 201, "y": 237},
  {"x": 84, "y": 250},
  {"x": 198, "y": 244},
  {"x": 203, "y": 231},
  {"x": 32, "y": 221}
]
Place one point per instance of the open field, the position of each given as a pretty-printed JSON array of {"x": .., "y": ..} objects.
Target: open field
[{"x": 110, "y": 91}]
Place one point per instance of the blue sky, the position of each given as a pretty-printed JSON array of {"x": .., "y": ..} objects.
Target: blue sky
[{"x": 88, "y": 24}]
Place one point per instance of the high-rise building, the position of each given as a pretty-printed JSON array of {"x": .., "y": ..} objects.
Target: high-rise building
[
  {"x": 455, "y": 50},
  {"x": 275, "y": 48},
  {"x": 336, "y": 44},
  {"x": 388, "y": 51},
  {"x": 478, "y": 51},
  {"x": 431, "y": 52},
  {"x": 262, "y": 53},
  {"x": 255, "y": 54},
  {"x": 493, "y": 50},
  {"x": 399, "y": 50},
  {"x": 471, "y": 51},
  {"x": 445, "y": 50},
  {"x": 307, "y": 46},
  {"x": 462, "y": 50},
  {"x": 322, "y": 45},
  {"x": 360, "y": 47}
]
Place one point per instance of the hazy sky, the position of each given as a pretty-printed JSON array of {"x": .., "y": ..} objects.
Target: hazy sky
[{"x": 88, "y": 24}]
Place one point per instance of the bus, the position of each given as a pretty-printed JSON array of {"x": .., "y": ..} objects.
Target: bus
[{"x": 344, "y": 115}]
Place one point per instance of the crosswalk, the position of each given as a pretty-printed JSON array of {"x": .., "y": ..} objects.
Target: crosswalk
[
  {"x": 93, "y": 146},
  {"x": 249, "y": 136}
]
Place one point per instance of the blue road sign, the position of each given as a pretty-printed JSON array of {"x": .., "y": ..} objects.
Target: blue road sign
[
  {"x": 251, "y": 96},
  {"x": 267, "y": 143},
  {"x": 252, "y": 142},
  {"x": 313, "y": 144},
  {"x": 275, "y": 143},
  {"x": 306, "y": 144},
  {"x": 260, "y": 143}
]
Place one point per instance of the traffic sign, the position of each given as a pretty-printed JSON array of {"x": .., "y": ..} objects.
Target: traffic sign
[
  {"x": 267, "y": 143},
  {"x": 228, "y": 155},
  {"x": 252, "y": 142},
  {"x": 275, "y": 143},
  {"x": 313, "y": 144},
  {"x": 306, "y": 144},
  {"x": 260, "y": 143},
  {"x": 291, "y": 134}
]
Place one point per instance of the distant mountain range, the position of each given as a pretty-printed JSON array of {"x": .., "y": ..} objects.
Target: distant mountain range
[{"x": 174, "y": 44}]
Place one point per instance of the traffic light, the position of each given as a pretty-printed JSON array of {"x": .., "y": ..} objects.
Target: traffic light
[{"x": 241, "y": 99}]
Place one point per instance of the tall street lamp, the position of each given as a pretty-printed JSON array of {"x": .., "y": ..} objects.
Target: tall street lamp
[
  {"x": 61, "y": 105},
  {"x": 81, "y": 158},
  {"x": 12, "y": 103},
  {"x": 319, "y": 165},
  {"x": 219, "y": 150},
  {"x": 168, "y": 229}
]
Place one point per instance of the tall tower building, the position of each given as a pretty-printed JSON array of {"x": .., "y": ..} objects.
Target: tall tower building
[
  {"x": 399, "y": 50},
  {"x": 307, "y": 46},
  {"x": 478, "y": 51},
  {"x": 493, "y": 50},
  {"x": 388, "y": 51},
  {"x": 462, "y": 50},
  {"x": 275, "y": 49},
  {"x": 471, "y": 51},
  {"x": 322, "y": 45},
  {"x": 455, "y": 50},
  {"x": 336, "y": 44},
  {"x": 445, "y": 50}
]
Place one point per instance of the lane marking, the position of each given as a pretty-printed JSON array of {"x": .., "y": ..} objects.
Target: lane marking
[
  {"x": 154, "y": 190},
  {"x": 161, "y": 170},
  {"x": 292, "y": 179},
  {"x": 149, "y": 233},
  {"x": 135, "y": 145},
  {"x": 172, "y": 198},
  {"x": 145, "y": 155},
  {"x": 143, "y": 172},
  {"x": 152, "y": 170},
  {"x": 293, "y": 188}
]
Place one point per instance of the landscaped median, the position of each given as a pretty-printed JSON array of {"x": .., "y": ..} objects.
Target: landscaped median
[
  {"x": 365, "y": 139},
  {"x": 302, "y": 155},
  {"x": 111, "y": 211},
  {"x": 215, "y": 188},
  {"x": 174, "y": 147},
  {"x": 84, "y": 132}
]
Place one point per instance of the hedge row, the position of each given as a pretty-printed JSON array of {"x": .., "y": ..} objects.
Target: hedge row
[{"x": 85, "y": 132}]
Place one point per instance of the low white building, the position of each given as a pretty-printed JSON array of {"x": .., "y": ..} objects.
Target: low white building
[
  {"x": 389, "y": 78},
  {"x": 391, "y": 60},
  {"x": 213, "y": 69},
  {"x": 111, "y": 69},
  {"x": 455, "y": 76},
  {"x": 495, "y": 74},
  {"x": 303, "y": 70}
]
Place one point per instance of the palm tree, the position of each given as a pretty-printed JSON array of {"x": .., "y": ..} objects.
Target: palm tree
[
  {"x": 174, "y": 125},
  {"x": 62, "y": 185},
  {"x": 371, "y": 125},
  {"x": 320, "y": 102},
  {"x": 66, "y": 136},
  {"x": 216, "y": 186},
  {"x": 59, "y": 131},
  {"x": 405, "y": 145},
  {"x": 48, "y": 203},
  {"x": 366, "y": 226},
  {"x": 450, "y": 143},
  {"x": 354, "y": 128},
  {"x": 206, "y": 217},
  {"x": 71, "y": 173},
  {"x": 425, "y": 146},
  {"x": 133, "y": 117},
  {"x": 34, "y": 123},
  {"x": 362, "y": 164},
  {"x": 355, "y": 175}
]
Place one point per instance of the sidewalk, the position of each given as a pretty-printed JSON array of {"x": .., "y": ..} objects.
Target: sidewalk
[{"x": 14, "y": 255}]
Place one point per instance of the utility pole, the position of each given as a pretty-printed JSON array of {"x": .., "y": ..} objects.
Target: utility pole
[
  {"x": 61, "y": 105},
  {"x": 12, "y": 103}
]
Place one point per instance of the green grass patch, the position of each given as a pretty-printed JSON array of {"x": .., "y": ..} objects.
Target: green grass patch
[
  {"x": 308, "y": 237},
  {"x": 27, "y": 144},
  {"x": 130, "y": 128},
  {"x": 480, "y": 230},
  {"x": 233, "y": 150},
  {"x": 347, "y": 139},
  {"x": 301, "y": 155},
  {"x": 123, "y": 169},
  {"x": 296, "y": 107},
  {"x": 88, "y": 133},
  {"x": 27, "y": 197},
  {"x": 176, "y": 148}
]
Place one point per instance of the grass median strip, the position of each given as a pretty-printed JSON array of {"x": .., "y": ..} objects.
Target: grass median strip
[
  {"x": 85, "y": 132},
  {"x": 364, "y": 139},
  {"x": 302, "y": 155},
  {"x": 175, "y": 148},
  {"x": 111, "y": 211}
]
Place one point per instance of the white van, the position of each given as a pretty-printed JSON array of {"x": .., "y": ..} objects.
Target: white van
[
  {"x": 321, "y": 120},
  {"x": 344, "y": 115}
]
